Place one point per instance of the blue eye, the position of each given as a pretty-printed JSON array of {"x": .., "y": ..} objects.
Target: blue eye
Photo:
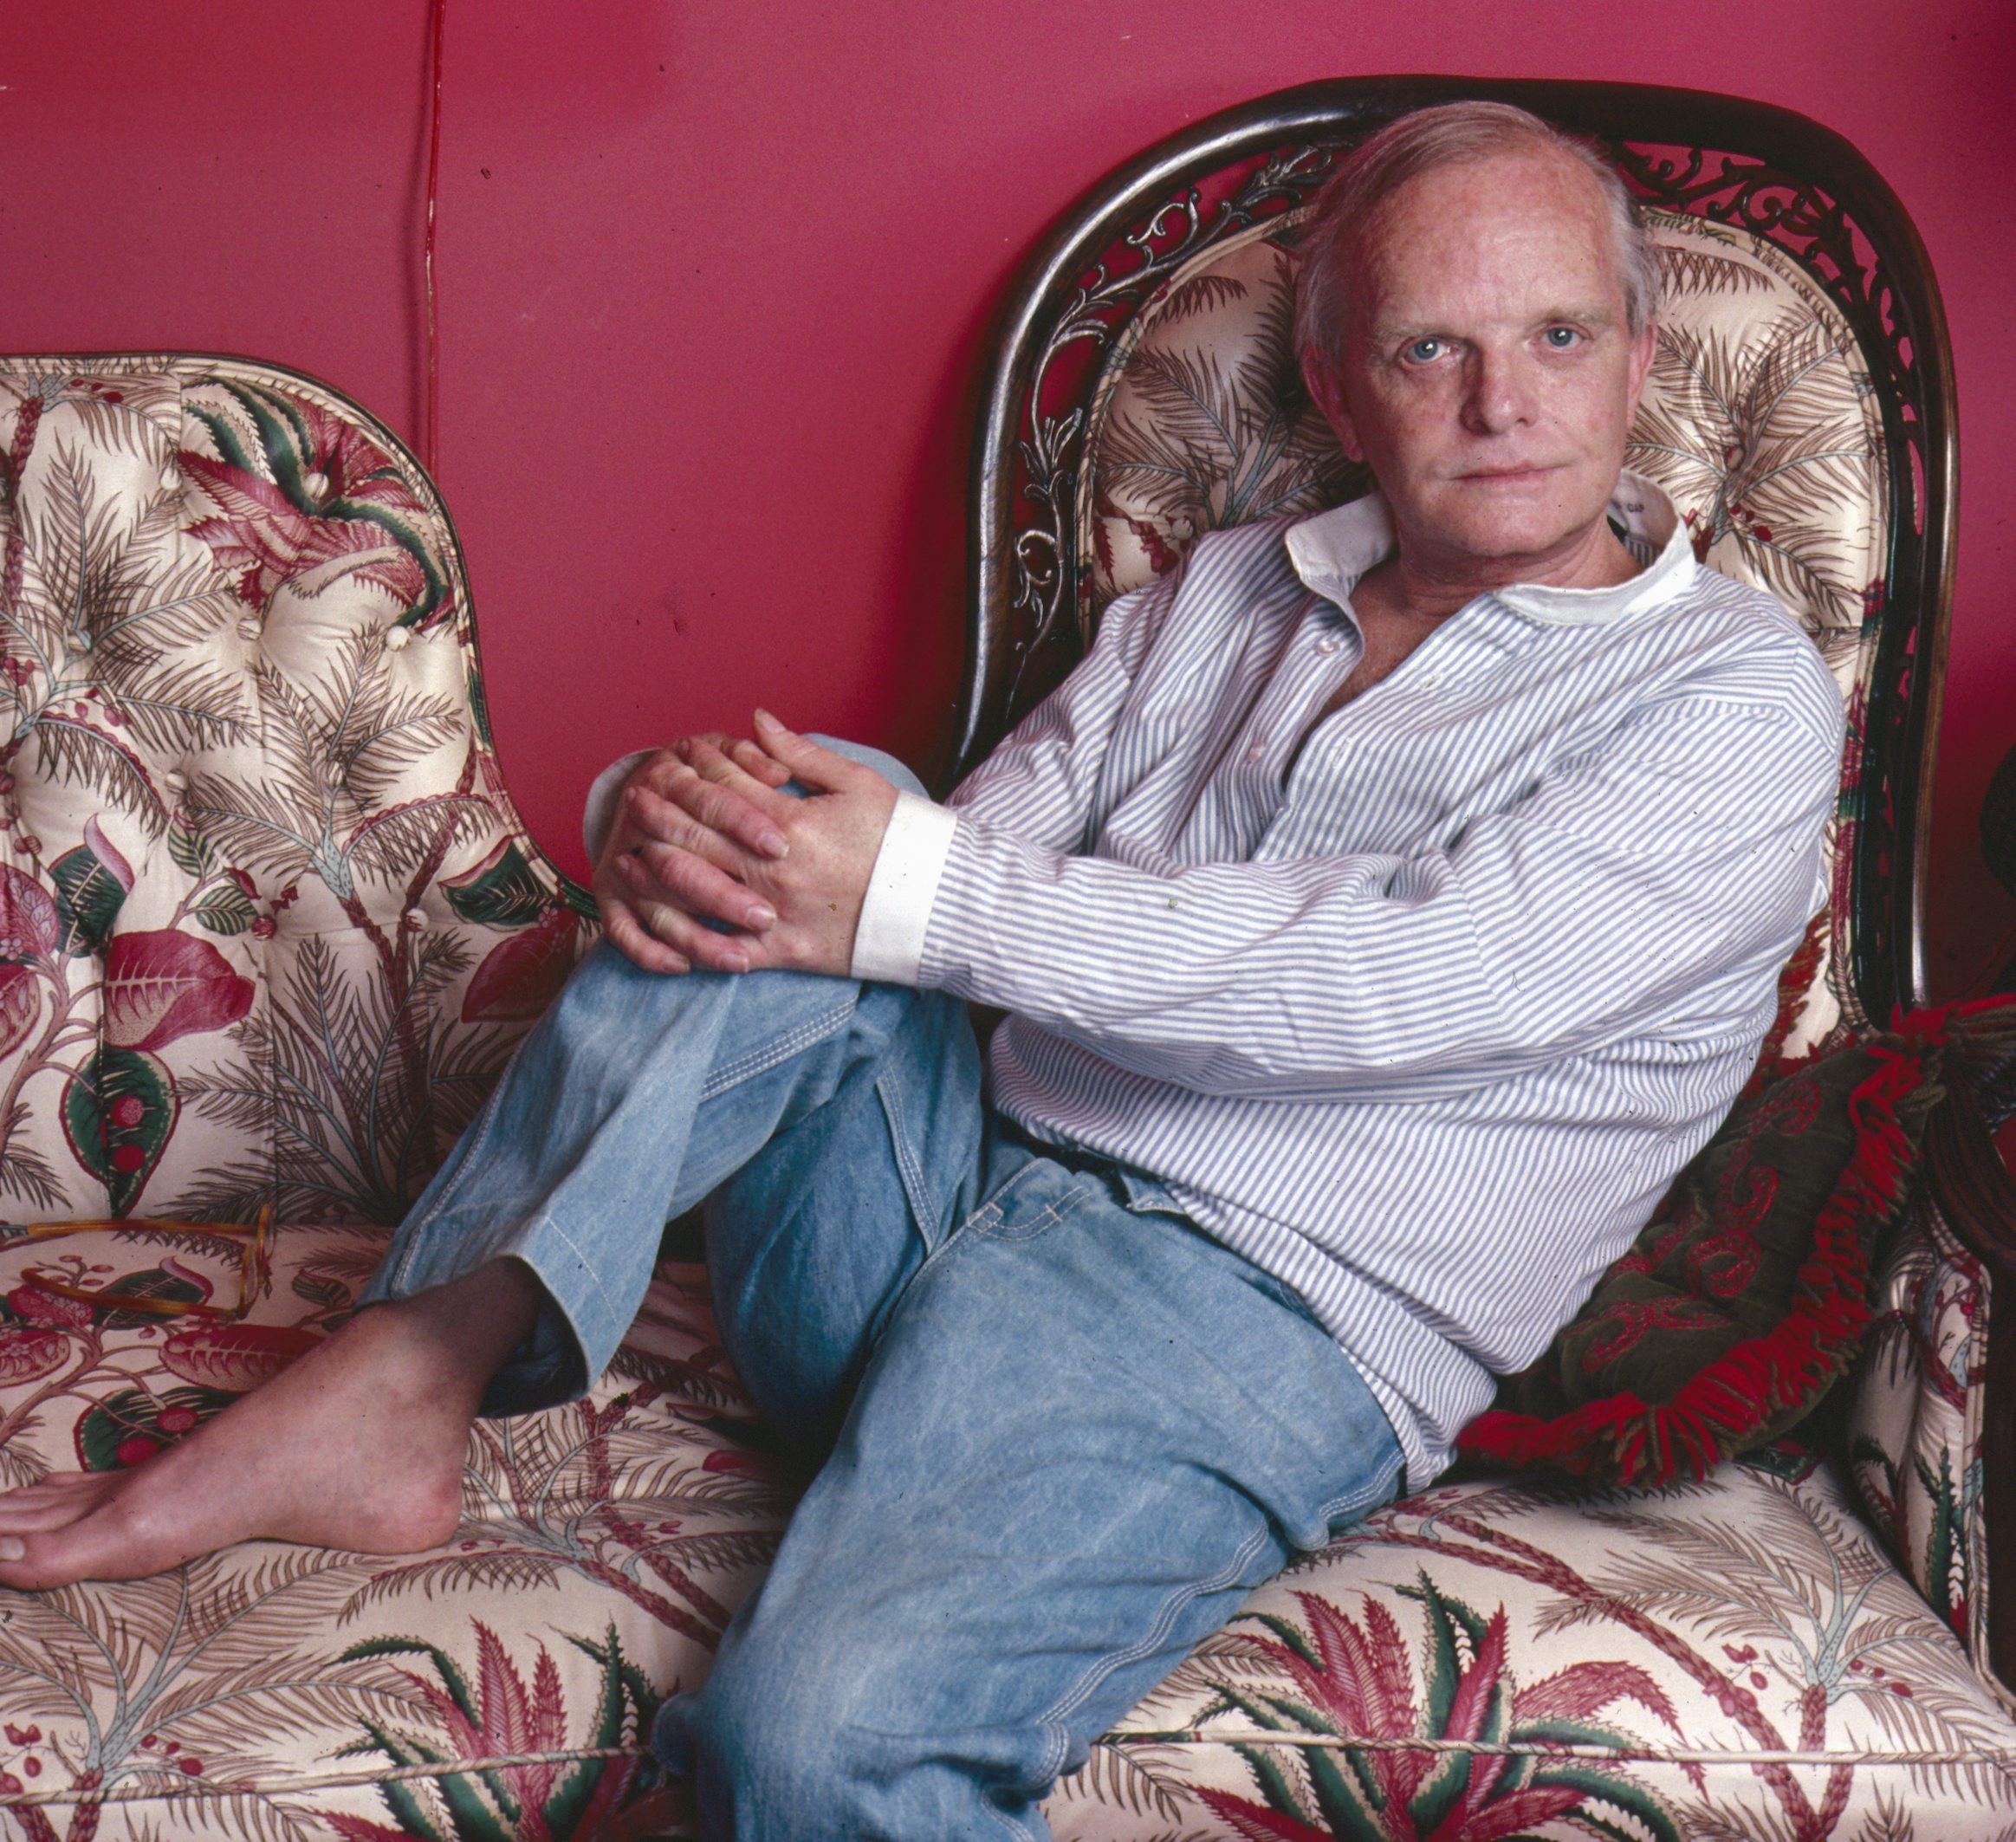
[
  {"x": 1560, "y": 338},
  {"x": 1424, "y": 351}
]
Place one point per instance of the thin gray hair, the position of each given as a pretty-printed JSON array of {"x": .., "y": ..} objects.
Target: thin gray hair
[{"x": 1449, "y": 134}]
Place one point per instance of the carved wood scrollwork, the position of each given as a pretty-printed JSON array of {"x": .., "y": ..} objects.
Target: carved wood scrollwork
[{"x": 1047, "y": 607}]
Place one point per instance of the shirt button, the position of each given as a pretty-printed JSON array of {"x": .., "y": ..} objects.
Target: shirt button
[{"x": 1327, "y": 644}]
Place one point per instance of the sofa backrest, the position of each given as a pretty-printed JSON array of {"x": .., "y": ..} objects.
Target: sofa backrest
[{"x": 270, "y": 925}]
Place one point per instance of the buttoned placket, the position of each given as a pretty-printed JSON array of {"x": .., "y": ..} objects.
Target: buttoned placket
[
  {"x": 1326, "y": 648},
  {"x": 1479, "y": 623}
]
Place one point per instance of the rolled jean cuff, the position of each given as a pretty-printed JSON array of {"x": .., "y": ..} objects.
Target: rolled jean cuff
[
  {"x": 545, "y": 1370},
  {"x": 578, "y": 1325}
]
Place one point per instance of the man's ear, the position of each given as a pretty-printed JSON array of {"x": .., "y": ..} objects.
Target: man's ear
[
  {"x": 1645, "y": 344},
  {"x": 1326, "y": 386}
]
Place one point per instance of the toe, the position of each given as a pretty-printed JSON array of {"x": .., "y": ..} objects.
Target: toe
[
  {"x": 58, "y": 1487},
  {"x": 53, "y": 1505},
  {"x": 100, "y": 1545}
]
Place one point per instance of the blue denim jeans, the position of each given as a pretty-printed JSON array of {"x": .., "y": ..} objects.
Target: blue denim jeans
[{"x": 1064, "y": 1431}]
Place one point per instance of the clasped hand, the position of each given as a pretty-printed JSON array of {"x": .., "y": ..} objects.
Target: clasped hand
[{"x": 703, "y": 834}]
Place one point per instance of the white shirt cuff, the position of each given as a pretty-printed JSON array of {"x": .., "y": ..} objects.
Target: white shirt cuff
[
  {"x": 599, "y": 815},
  {"x": 889, "y": 942}
]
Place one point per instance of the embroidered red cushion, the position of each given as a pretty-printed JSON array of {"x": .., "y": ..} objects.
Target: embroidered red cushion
[{"x": 1747, "y": 1293}]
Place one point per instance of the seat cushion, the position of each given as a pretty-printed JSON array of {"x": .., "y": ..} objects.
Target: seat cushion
[
  {"x": 1570, "y": 1662},
  {"x": 277, "y": 1690}
]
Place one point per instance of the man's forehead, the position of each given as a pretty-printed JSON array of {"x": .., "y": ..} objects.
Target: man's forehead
[
  {"x": 1524, "y": 233},
  {"x": 1538, "y": 185}
]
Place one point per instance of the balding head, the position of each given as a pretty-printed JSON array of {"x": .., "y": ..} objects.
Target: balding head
[{"x": 1451, "y": 134}]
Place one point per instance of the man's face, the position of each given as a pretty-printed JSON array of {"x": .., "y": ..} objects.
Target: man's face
[{"x": 1489, "y": 377}]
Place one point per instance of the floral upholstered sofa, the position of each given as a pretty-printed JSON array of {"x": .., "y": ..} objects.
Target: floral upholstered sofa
[{"x": 270, "y": 925}]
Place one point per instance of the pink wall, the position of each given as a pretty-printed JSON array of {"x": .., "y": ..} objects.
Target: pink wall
[{"x": 714, "y": 277}]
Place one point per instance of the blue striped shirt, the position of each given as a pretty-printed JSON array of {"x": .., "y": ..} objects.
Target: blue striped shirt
[{"x": 1420, "y": 1009}]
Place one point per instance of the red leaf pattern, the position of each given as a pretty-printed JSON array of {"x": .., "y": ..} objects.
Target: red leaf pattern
[
  {"x": 30, "y": 1301},
  {"x": 20, "y": 1004},
  {"x": 234, "y": 1357},
  {"x": 28, "y": 1355},
  {"x": 520, "y": 977},
  {"x": 29, "y": 922},
  {"x": 1584, "y": 1689},
  {"x": 271, "y": 540},
  {"x": 165, "y": 984},
  {"x": 1253, "y": 1822}
]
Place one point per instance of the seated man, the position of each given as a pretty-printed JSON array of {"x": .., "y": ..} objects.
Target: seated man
[{"x": 1385, "y": 911}]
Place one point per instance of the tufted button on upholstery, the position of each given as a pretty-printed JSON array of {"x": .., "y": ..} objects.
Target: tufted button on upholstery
[
  {"x": 415, "y": 917},
  {"x": 397, "y": 638},
  {"x": 250, "y": 628}
]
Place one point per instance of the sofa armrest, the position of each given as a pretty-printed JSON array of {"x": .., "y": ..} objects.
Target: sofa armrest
[
  {"x": 1973, "y": 1190},
  {"x": 1935, "y": 1391}
]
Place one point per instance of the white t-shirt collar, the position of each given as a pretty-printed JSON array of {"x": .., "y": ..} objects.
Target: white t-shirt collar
[{"x": 1332, "y": 550}]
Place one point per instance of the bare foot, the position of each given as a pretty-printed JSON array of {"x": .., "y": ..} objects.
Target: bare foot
[{"x": 358, "y": 1445}]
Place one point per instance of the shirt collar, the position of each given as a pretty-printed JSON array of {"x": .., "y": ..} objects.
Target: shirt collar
[{"x": 1330, "y": 551}]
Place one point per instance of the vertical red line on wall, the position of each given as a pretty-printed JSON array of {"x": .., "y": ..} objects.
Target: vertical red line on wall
[{"x": 430, "y": 433}]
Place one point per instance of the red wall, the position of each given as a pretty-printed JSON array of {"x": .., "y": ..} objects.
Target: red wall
[{"x": 714, "y": 277}]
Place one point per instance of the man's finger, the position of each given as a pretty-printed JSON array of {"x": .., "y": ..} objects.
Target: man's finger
[
  {"x": 689, "y": 882},
  {"x": 740, "y": 749},
  {"x": 634, "y": 941},
  {"x": 752, "y": 760},
  {"x": 677, "y": 927},
  {"x": 690, "y": 815},
  {"x": 665, "y": 777},
  {"x": 821, "y": 769},
  {"x": 723, "y": 795},
  {"x": 747, "y": 771}
]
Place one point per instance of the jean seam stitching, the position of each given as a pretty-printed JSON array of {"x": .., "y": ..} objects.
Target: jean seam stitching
[
  {"x": 906, "y": 1158},
  {"x": 1074, "y": 1698},
  {"x": 1051, "y": 1214},
  {"x": 595, "y": 1278},
  {"x": 979, "y": 1220},
  {"x": 1039, "y": 1224},
  {"x": 484, "y": 1120},
  {"x": 782, "y": 1048},
  {"x": 1355, "y": 1503}
]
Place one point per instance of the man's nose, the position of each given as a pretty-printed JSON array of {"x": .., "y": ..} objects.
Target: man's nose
[{"x": 1499, "y": 397}]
